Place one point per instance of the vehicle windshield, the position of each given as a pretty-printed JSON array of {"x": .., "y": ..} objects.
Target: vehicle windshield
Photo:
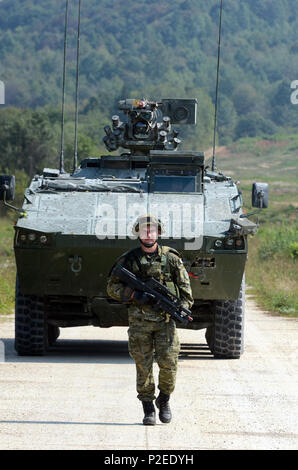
[{"x": 175, "y": 184}]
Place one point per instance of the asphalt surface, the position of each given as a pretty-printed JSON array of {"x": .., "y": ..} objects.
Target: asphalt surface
[{"x": 82, "y": 394}]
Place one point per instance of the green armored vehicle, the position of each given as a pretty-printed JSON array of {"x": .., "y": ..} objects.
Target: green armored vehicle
[{"x": 73, "y": 227}]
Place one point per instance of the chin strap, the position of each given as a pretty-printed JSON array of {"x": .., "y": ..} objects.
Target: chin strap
[{"x": 148, "y": 245}]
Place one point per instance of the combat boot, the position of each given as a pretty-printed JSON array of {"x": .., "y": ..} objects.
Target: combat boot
[
  {"x": 162, "y": 403},
  {"x": 149, "y": 410}
]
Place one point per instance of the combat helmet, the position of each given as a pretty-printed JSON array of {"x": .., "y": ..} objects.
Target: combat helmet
[{"x": 147, "y": 219}]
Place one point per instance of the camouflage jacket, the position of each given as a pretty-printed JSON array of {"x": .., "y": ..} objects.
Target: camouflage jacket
[{"x": 165, "y": 265}]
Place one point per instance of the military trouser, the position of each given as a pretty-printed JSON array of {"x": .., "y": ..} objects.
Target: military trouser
[{"x": 144, "y": 338}]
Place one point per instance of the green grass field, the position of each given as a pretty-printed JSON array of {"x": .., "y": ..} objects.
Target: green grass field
[
  {"x": 272, "y": 268},
  {"x": 7, "y": 266},
  {"x": 271, "y": 271}
]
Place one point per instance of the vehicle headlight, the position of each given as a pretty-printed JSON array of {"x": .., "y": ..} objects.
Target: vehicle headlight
[
  {"x": 31, "y": 237},
  {"x": 239, "y": 242},
  {"x": 218, "y": 243},
  {"x": 229, "y": 243},
  {"x": 43, "y": 239}
]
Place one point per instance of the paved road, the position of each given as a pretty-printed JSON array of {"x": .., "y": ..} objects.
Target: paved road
[{"x": 82, "y": 395}]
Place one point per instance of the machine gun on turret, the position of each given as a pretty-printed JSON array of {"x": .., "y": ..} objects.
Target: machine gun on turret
[{"x": 148, "y": 125}]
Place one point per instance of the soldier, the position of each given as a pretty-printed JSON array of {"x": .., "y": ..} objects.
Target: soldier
[{"x": 150, "y": 330}]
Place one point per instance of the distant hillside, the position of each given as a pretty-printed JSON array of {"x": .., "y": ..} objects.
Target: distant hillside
[{"x": 157, "y": 49}]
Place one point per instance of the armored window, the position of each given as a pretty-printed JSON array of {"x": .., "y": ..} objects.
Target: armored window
[{"x": 174, "y": 184}]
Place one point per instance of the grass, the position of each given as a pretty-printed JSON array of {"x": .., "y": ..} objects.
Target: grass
[
  {"x": 7, "y": 267},
  {"x": 272, "y": 268}
]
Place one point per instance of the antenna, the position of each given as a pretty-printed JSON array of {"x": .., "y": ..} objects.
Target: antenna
[
  {"x": 75, "y": 157},
  {"x": 213, "y": 167},
  {"x": 61, "y": 166}
]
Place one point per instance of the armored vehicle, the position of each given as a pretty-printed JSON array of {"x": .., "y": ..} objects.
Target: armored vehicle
[{"x": 72, "y": 227}]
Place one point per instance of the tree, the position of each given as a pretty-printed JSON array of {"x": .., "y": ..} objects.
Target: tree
[
  {"x": 227, "y": 119},
  {"x": 254, "y": 124},
  {"x": 244, "y": 98},
  {"x": 26, "y": 140}
]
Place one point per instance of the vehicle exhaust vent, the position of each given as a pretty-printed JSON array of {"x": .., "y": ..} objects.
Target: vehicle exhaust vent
[{"x": 203, "y": 263}]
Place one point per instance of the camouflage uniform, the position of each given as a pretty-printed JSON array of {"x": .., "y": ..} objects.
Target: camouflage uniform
[{"x": 150, "y": 331}]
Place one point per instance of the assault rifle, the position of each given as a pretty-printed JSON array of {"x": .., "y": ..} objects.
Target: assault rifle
[{"x": 164, "y": 299}]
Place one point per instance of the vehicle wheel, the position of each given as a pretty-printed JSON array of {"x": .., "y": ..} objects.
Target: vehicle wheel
[
  {"x": 31, "y": 336},
  {"x": 53, "y": 334},
  {"x": 226, "y": 337}
]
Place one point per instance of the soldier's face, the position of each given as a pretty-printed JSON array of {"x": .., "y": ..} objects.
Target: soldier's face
[{"x": 149, "y": 233}]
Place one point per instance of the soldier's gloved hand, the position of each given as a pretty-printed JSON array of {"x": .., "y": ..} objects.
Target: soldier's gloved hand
[
  {"x": 143, "y": 298},
  {"x": 157, "y": 308},
  {"x": 127, "y": 294}
]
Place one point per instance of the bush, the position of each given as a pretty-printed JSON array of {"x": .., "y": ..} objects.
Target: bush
[
  {"x": 254, "y": 124},
  {"x": 293, "y": 250},
  {"x": 278, "y": 241}
]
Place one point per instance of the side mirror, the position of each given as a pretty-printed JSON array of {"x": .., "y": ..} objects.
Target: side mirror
[
  {"x": 7, "y": 187},
  {"x": 260, "y": 195}
]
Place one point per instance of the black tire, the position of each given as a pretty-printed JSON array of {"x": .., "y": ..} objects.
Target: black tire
[
  {"x": 226, "y": 337},
  {"x": 31, "y": 336},
  {"x": 53, "y": 334}
]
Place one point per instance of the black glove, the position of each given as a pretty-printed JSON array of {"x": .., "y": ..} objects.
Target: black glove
[
  {"x": 127, "y": 294},
  {"x": 143, "y": 298}
]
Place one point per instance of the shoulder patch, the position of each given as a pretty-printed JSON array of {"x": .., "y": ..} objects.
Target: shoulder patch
[{"x": 168, "y": 249}]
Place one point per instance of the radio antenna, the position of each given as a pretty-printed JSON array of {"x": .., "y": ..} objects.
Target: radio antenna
[
  {"x": 61, "y": 165},
  {"x": 213, "y": 167},
  {"x": 75, "y": 157}
]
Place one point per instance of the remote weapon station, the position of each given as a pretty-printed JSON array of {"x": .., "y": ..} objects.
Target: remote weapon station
[{"x": 73, "y": 226}]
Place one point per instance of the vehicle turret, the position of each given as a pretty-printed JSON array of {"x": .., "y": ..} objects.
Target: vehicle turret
[{"x": 148, "y": 125}]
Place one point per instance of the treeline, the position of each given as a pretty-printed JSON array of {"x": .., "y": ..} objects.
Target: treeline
[
  {"x": 157, "y": 49},
  {"x": 30, "y": 140}
]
